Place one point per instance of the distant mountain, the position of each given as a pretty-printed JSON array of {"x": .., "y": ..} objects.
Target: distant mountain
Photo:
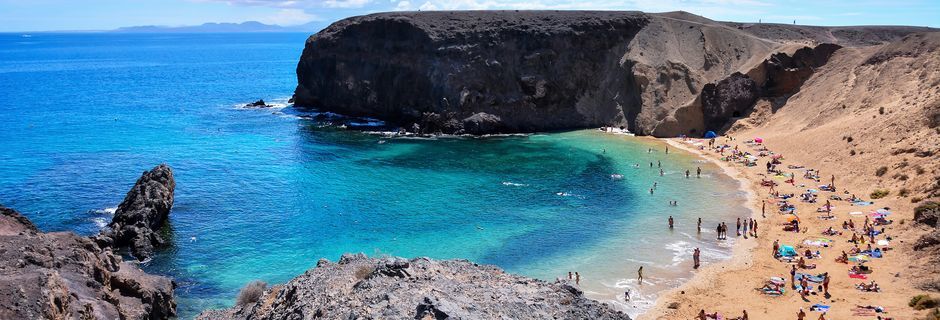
[{"x": 248, "y": 26}]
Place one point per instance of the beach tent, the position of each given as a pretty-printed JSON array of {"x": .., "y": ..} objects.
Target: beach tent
[
  {"x": 710, "y": 134},
  {"x": 787, "y": 251}
]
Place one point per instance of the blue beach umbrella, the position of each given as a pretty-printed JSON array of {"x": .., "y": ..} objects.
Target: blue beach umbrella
[{"x": 710, "y": 134}]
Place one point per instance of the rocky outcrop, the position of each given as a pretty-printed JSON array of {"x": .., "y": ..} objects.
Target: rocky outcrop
[
  {"x": 61, "y": 275},
  {"x": 358, "y": 287},
  {"x": 139, "y": 218},
  {"x": 510, "y": 71},
  {"x": 258, "y": 104}
]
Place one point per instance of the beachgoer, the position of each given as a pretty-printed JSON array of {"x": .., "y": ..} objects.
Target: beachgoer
[
  {"x": 626, "y": 295},
  {"x": 744, "y": 316},
  {"x": 738, "y": 228},
  {"x": 698, "y": 172},
  {"x": 659, "y": 164},
  {"x": 670, "y": 222},
  {"x": 661, "y": 172},
  {"x": 822, "y": 316},
  {"x": 776, "y": 247},
  {"x": 718, "y": 231},
  {"x": 695, "y": 258},
  {"x": 639, "y": 275},
  {"x": 667, "y": 149},
  {"x": 793, "y": 276},
  {"x": 570, "y": 277},
  {"x": 651, "y": 190},
  {"x": 701, "y": 315},
  {"x": 699, "y": 225},
  {"x": 577, "y": 278},
  {"x": 825, "y": 283},
  {"x": 686, "y": 173},
  {"x": 801, "y": 315}
]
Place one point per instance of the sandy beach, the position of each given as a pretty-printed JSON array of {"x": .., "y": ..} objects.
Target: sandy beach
[{"x": 732, "y": 286}]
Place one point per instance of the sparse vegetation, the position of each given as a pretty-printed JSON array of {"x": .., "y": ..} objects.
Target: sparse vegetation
[
  {"x": 923, "y": 301},
  {"x": 251, "y": 292},
  {"x": 852, "y": 153},
  {"x": 363, "y": 272},
  {"x": 920, "y": 170},
  {"x": 881, "y": 110},
  {"x": 881, "y": 171},
  {"x": 902, "y": 177},
  {"x": 849, "y": 139},
  {"x": 933, "y": 315},
  {"x": 880, "y": 193},
  {"x": 903, "y": 192},
  {"x": 916, "y": 199}
]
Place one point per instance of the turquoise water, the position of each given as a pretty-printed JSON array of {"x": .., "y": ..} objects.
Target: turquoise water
[{"x": 263, "y": 194}]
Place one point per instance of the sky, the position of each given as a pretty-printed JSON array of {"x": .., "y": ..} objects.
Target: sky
[{"x": 50, "y": 15}]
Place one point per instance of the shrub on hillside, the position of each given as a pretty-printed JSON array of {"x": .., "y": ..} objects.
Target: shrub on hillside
[
  {"x": 880, "y": 193},
  {"x": 881, "y": 171},
  {"x": 251, "y": 292}
]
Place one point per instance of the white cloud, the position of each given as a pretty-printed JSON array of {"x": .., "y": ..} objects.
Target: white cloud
[
  {"x": 296, "y": 4},
  {"x": 345, "y": 3},
  {"x": 289, "y": 17},
  {"x": 404, "y": 5}
]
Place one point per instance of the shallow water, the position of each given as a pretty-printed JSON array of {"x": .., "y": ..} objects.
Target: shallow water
[{"x": 264, "y": 193}]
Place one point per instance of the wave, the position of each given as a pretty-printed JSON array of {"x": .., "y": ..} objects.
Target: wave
[{"x": 507, "y": 183}]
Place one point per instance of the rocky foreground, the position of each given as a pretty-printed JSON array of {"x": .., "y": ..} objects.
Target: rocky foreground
[
  {"x": 60, "y": 275},
  {"x": 358, "y": 287},
  {"x": 485, "y": 72}
]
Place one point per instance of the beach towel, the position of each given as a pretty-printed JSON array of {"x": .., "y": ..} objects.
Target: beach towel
[
  {"x": 857, "y": 276},
  {"x": 873, "y": 253},
  {"x": 883, "y": 243},
  {"x": 819, "y": 307},
  {"x": 859, "y": 258},
  {"x": 862, "y": 203},
  {"x": 818, "y": 242},
  {"x": 856, "y": 213},
  {"x": 811, "y": 278}
]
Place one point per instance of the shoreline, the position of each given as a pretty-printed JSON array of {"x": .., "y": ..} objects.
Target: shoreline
[{"x": 742, "y": 251}]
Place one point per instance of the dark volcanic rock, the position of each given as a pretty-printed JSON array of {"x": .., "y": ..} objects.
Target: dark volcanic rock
[
  {"x": 529, "y": 70},
  {"x": 61, "y": 275},
  {"x": 139, "y": 218},
  {"x": 731, "y": 97},
  {"x": 358, "y": 287},
  {"x": 258, "y": 104}
]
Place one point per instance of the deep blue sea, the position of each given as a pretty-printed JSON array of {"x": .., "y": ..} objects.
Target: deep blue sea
[{"x": 265, "y": 193}]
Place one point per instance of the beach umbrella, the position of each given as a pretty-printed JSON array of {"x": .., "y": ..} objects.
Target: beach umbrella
[{"x": 710, "y": 134}]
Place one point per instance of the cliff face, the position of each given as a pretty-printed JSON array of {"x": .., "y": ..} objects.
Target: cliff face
[
  {"x": 507, "y": 71},
  {"x": 358, "y": 287},
  {"x": 61, "y": 275}
]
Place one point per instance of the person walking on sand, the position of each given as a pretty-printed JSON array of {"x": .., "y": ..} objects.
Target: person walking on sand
[
  {"x": 825, "y": 284},
  {"x": 698, "y": 172},
  {"x": 776, "y": 248},
  {"x": 639, "y": 275},
  {"x": 577, "y": 278},
  {"x": 800, "y": 315},
  {"x": 763, "y": 209},
  {"x": 695, "y": 258},
  {"x": 793, "y": 276}
]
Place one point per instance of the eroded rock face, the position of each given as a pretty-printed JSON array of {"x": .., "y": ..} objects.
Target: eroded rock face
[
  {"x": 358, "y": 287},
  {"x": 474, "y": 71},
  {"x": 520, "y": 71},
  {"x": 61, "y": 275},
  {"x": 139, "y": 218}
]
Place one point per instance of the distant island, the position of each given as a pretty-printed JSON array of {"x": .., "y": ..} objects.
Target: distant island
[{"x": 212, "y": 27}]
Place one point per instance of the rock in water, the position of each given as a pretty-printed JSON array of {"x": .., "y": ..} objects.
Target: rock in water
[
  {"x": 257, "y": 104},
  {"x": 358, "y": 287},
  {"x": 143, "y": 212},
  {"x": 60, "y": 275}
]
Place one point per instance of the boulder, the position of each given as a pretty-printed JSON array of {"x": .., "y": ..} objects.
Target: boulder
[{"x": 144, "y": 211}]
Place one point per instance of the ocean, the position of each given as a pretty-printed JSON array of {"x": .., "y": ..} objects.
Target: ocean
[{"x": 265, "y": 193}]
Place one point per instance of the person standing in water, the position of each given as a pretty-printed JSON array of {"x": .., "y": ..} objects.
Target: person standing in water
[
  {"x": 659, "y": 164},
  {"x": 639, "y": 275},
  {"x": 661, "y": 172},
  {"x": 686, "y": 173},
  {"x": 738, "y": 228},
  {"x": 667, "y": 149},
  {"x": 698, "y": 172},
  {"x": 577, "y": 278},
  {"x": 699, "y": 225},
  {"x": 670, "y": 222},
  {"x": 570, "y": 277}
]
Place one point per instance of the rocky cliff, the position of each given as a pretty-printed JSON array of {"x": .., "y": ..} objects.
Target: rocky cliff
[
  {"x": 358, "y": 287},
  {"x": 519, "y": 71},
  {"x": 139, "y": 218},
  {"x": 60, "y": 275}
]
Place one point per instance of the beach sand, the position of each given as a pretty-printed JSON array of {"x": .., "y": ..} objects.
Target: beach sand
[{"x": 732, "y": 286}]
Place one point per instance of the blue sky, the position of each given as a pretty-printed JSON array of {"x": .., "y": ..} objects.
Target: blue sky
[{"x": 42, "y": 15}]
